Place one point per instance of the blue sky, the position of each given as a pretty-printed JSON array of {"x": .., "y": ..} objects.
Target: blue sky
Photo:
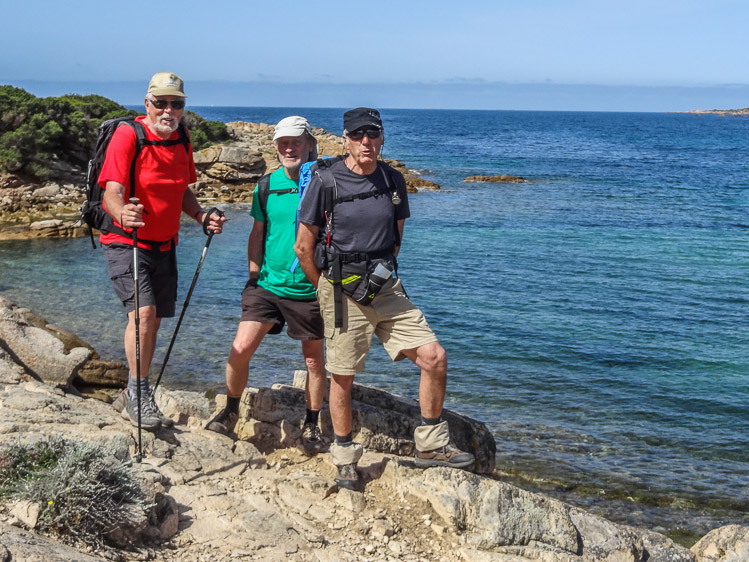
[{"x": 520, "y": 54}]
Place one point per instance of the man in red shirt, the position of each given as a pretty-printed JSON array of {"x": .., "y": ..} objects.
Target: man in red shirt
[{"x": 163, "y": 170}]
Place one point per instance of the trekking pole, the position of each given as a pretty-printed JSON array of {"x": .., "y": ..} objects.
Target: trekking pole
[
  {"x": 139, "y": 455},
  {"x": 209, "y": 233}
]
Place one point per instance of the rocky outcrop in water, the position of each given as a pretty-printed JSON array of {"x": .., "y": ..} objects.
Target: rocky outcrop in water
[{"x": 502, "y": 178}]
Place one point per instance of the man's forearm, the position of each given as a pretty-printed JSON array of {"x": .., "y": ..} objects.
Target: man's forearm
[
  {"x": 190, "y": 205},
  {"x": 255, "y": 250},
  {"x": 305, "y": 251}
]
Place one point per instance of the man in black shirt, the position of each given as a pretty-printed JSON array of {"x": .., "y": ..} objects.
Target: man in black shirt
[{"x": 351, "y": 223}]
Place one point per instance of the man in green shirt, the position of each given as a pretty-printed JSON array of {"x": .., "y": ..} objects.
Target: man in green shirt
[{"x": 278, "y": 293}]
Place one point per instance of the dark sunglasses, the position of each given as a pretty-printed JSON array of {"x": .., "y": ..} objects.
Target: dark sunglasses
[
  {"x": 359, "y": 134},
  {"x": 162, "y": 104}
]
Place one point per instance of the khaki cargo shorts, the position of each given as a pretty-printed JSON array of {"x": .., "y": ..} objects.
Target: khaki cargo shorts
[{"x": 395, "y": 320}]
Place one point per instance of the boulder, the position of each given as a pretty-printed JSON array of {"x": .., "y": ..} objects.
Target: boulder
[
  {"x": 47, "y": 191},
  {"x": 382, "y": 422},
  {"x": 98, "y": 373},
  {"x": 725, "y": 544},
  {"x": 499, "y": 517},
  {"x": 38, "y": 351},
  {"x": 237, "y": 164}
]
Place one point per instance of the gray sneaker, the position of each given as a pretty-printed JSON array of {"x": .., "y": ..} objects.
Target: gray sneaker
[
  {"x": 347, "y": 477},
  {"x": 223, "y": 422},
  {"x": 166, "y": 421},
  {"x": 312, "y": 442},
  {"x": 127, "y": 405}
]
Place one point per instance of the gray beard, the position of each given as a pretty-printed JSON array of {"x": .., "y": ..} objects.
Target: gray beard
[{"x": 165, "y": 129}]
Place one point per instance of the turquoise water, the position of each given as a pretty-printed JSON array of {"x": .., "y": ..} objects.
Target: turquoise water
[{"x": 594, "y": 317}]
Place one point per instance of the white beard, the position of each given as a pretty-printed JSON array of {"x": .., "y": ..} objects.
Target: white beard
[{"x": 165, "y": 128}]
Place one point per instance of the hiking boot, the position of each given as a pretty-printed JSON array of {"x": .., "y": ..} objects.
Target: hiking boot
[
  {"x": 127, "y": 405},
  {"x": 449, "y": 455},
  {"x": 347, "y": 477},
  {"x": 312, "y": 442},
  {"x": 223, "y": 422},
  {"x": 166, "y": 421}
]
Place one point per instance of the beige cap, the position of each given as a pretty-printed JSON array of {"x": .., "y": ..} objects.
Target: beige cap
[
  {"x": 166, "y": 84},
  {"x": 294, "y": 126}
]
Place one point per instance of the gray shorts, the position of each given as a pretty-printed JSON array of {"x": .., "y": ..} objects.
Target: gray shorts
[
  {"x": 157, "y": 277},
  {"x": 302, "y": 316}
]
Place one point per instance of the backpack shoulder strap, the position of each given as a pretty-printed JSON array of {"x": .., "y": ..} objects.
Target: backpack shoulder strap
[
  {"x": 387, "y": 172},
  {"x": 263, "y": 191},
  {"x": 184, "y": 135},
  {"x": 140, "y": 141},
  {"x": 327, "y": 179}
]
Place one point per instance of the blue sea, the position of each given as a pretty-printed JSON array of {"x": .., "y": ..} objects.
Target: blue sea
[{"x": 595, "y": 317}]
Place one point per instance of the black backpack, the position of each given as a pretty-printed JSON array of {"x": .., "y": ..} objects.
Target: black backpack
[{"x": 92, "y": 212}]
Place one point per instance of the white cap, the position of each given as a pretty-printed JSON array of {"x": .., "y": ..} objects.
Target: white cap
[{"x": 294, "y": 126}]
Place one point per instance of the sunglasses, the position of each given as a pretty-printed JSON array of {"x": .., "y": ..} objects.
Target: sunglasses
[
  {"x": 162, "y": 104},
  {"x": 359, "y": 134}
]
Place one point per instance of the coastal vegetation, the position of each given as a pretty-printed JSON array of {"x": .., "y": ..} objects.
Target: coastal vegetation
[
  {"x": 82, "y": 490},
  {"x": 36, "y": 133}
]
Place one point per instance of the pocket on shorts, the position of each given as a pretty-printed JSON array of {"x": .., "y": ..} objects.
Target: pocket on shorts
[
  {"x": 327, "y": 305},
  {"x": 121, "y": 275}
]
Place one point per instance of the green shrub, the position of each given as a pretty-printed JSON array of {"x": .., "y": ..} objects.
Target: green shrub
[
  {"x": 35, "y": 131},
  {"x": 204, "y": 133},
  {"x": 82, "y": 489}
]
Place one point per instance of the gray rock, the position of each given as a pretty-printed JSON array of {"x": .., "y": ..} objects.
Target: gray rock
[
  {"x": 382, "y": 421},
  {"x": 662, "y": 549},
  {"x": 27, "y": 512},
  {"x": 496, "y": 516},
  {"x": 10, "y": 371},
  {"x": 601, "y": 539},
  {"x": 20, "y": 545},
  {"x": 725, "y": 544},
  {"x": 183, "y": 406},
  {"x": 51, "y": 224},
  {"x": 49, "y": 190},
  {"x": 350, "y": 500},
  {"x": 37, "y": 350}
]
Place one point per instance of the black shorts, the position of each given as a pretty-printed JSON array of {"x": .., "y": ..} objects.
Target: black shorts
[
  {"x": 157, "y": 277},
  {"x": 303, "y": 317}
]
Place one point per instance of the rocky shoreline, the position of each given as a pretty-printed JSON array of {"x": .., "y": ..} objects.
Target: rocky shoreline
[
  {"x": 257, "y": 497},
  {"x": 227, "y": 173},
  {"x": 722, "y": 112}
]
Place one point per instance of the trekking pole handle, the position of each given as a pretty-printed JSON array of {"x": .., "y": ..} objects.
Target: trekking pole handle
[{"x": 207, "y": 219}]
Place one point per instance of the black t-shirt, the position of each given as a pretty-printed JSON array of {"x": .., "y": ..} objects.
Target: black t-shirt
[{"x": 361, "y": 225}]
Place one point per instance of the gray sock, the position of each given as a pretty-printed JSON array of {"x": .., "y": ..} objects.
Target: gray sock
[{"x": 132, "y": 387}]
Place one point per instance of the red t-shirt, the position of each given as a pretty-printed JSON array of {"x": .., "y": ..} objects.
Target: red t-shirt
[{"x": 162, "y": 175}]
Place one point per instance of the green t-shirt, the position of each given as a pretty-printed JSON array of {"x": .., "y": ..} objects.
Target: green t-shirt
[{"x": 275, "y": 275}]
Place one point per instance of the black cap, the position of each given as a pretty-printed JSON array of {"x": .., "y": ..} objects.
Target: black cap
[{"x": 360, "y": 117}]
